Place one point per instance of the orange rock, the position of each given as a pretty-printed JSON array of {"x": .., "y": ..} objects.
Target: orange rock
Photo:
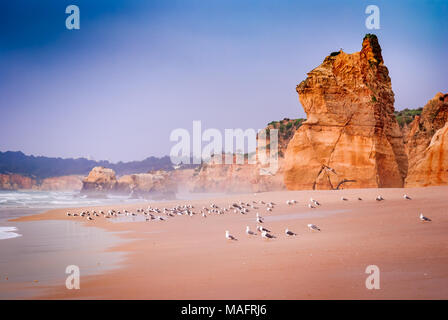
[
  {"x": 16, "y": 182},
  {"x": 428, "y": 145},
  {"x": 100, "y": 179},
  {"x": 351, "y": 138},
  {"x": 63, "y": 183}
]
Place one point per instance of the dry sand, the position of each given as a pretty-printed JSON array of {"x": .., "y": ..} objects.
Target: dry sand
[{"x": 189, "y": 257}]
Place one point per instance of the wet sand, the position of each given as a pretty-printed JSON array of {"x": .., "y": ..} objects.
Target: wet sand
[{"x": 189, "y": 257}]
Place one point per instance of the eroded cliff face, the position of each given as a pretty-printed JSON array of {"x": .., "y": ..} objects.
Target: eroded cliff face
[
  {"x": 247, "y": 177},
  {"x": 103, "y": 181},
  {"x": 351, "y": 138},
  {"x": 20, "y": 182},
  {"x": 427, "y": 145},
  {"x": 236, "y": 178},
  {"x": 156, "y": 183},
  {"x": 99, "y": 180},
  {"x": 15, "y": 182},
  {"x": 63, "y": 183}
]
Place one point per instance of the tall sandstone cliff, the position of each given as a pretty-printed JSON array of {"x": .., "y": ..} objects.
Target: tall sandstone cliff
[
  {"x": 427, "y": 145},
  {"x": 351, "y": 138}
]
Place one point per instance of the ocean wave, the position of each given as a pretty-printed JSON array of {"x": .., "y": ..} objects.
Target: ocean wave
[
  {"x": 8, "y": 233},
  {"x": 53, "y": 199}
]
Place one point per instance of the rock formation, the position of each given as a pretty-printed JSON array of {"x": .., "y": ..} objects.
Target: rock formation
[
  {"x": 427, "y": 144},
  {"x": 156, "y": 184},
  {"x": 15, "y": 182},
  {"x": 103, "y": 181},
  {"x": 64, "y": 183},
  {"x": 100, "y": 180},
  {"x": 20, "y": 182},
  {"x": 351, "y": 138},
  {"x": 233, "y": 178}
]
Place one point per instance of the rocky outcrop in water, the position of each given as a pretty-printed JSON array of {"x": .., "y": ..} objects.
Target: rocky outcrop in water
[
  {"x": 351, "y": 138},
  {"x": 100, "y": 180}
]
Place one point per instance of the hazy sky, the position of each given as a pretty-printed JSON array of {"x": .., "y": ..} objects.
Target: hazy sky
[{"x": 136, "y": 70}]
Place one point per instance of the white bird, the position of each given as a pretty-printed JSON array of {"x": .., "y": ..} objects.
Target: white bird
[
  {"x": 69, "y": 214},
  {"x": 261, "y": 229},
  {"x": 423, "y": 218},
  {"x": 260, "y": 218},
  {"x": 313, "y": 227},
  {"x": 290, "y": 233},
  {"x": 315, "y": 202},
  {"x": 266, "y": 235},
  {"x": 289, "y": 202},
  {"x": 229, "y": 236},
  {"x": 310, "y": 206},
  {"x": 407, "y": 197},
  {"x": 379, "y": 198},
  {"x": 203, "y": 214},
  {"x": 249, "y": 232},
  {"x": 269, "y": 209}
]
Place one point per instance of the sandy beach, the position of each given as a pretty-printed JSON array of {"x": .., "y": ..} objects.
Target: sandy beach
[{"x": 189, "y": 257}]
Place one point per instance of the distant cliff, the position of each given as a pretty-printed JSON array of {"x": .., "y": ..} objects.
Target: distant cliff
[
  {"x": 45, "y": 167},
  {"x": 211, "y": 177},
  {"x": 19, "y": 182},
  {"x": 154, "y": 185}
]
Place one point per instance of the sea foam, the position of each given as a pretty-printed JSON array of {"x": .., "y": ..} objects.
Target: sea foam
[{"x": 8, "y": 233}]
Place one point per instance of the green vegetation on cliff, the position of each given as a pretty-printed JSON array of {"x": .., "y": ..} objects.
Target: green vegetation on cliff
[{"x": 406, "y": 116}]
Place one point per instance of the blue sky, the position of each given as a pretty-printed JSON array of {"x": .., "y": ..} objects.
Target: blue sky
[{"x": 136, "y": 70}]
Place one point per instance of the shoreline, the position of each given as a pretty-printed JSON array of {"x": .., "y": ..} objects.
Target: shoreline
[{"x": 189, "y": 258}]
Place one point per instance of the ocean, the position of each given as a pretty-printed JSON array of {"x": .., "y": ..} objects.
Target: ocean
[{"x": 14, "y": 204}]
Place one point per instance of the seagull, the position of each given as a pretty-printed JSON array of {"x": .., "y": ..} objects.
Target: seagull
[
  {"x": 269, "y": 209},
  {"x": 229, "y": 236},
  {"x": 260, "y": 219},
  {"x": 69, "y": 214},
  {"x": 261, "y": 229},
  {"x": 249, "y": 232},
  {"x": 423, "y": 218},
  {"x": 203, "y": 214},
  {"x": 315, "y": 202},
  {"x": 310, "y": 206},
  {"x": 266, "y": 235},
  {"x": 313, "y": 227},
  {"x": 379, "y": 198},
  {"x": 290, "y": 233},
  {"x": 89, "y": 218},
  {"x": 407, "y": 197},
  {"x": 344, "y": 199}
]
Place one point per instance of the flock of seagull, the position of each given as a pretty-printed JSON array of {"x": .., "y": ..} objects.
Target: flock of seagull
[{"x": 154, "y": 213}]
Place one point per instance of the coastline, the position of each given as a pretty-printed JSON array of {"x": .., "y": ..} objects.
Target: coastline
[{"x": 189, "y": 258}]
